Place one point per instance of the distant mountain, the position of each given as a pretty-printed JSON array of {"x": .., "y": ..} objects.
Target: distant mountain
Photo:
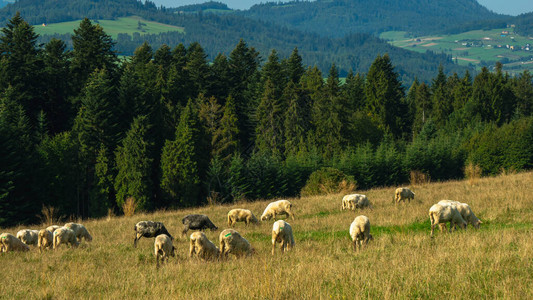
[
  {"x": 337, "y": 18},
  {"x": 211, "y": 6},
  {"x": 524, "y": 24},
  {"x": 220, "y": 33}
]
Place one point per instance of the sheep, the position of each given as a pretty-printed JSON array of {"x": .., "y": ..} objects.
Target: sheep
[
  {"x": 360, "y": 231},
  {"x": 197, "y": 222},
  {"x": 149, "y": 229},
  {"x": 9, "y": 242},
  {"x": 465, "y": 211},
  {"x": 202, "y": 247},
  {"x": 241, "y": 215},
  {"x": 440, "y": 214},
  {"x": 403, "y": 193},
  {"x": 65, "y": 235},
  {"x": 354, "y": 201},
  {"x": 232, "y": 242},
  {"x": 282, "y": 233},
  {"x": 80, "y": 231},
  {"x": 53, "y": 228},
  {"x": 163, "y": 248},
  {"x": 28, "y": 236},
  {"x": 280, "y": 207},
  {"x": 46, "y": 239}
]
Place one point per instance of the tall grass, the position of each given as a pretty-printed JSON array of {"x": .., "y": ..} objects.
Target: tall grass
[{"x": 402, "y": 261}]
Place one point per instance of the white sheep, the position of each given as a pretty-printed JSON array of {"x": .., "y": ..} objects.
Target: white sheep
[
  {"x": 280, "y": 207},
  {"x": 403, "y": 193},
  {"x": 282, "y": 233},
  {"x": 241, "y": 215},
  {"x": 80, "y": 231},
  {"x": 202, "y": 247},
  {"x": 9, "y": 242},
  {"x": 232, "y": 242},
  {"x": 163, "y": 248},
  {"x": 45, "y": 240},
  {"x": 354, "y": 201},
  {"x": 28, "y": 236},
  {"x": 360, "y": 231},
  {"x": 65, "y": 235},
  {"x": 465, "y": 211},
  {"x": 53, "y": 228},
  {"x": 440, "y": 214}
]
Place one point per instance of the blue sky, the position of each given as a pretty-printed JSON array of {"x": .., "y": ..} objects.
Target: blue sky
[{"x": 511, "y": 7}]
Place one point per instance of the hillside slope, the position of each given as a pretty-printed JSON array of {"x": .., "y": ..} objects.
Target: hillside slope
[
  {"x": 401, "y": 262},
  {"x": 220, "y": 34},
  {"x": 340, "y": 17}
]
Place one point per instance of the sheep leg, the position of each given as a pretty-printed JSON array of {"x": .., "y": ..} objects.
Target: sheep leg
[
  {"x": 191, "y": 248},
  {"x": 432, "y": 229},
  {"x": 184, "y": 232}
]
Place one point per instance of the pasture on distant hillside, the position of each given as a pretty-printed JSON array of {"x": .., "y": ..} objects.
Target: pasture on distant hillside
[
  {"x": 401, "y": 262},
  {"x": 127, "y": 25},
  {"x": 473, "y": 47}
]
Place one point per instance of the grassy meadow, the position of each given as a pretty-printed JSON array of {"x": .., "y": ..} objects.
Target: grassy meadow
[
  {"x": 127, "y": 25},
  {"x": 452, "y": 44},
  {"x": 401, "y": 262}
]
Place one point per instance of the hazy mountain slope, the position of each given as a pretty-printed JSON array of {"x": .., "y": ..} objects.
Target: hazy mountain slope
[
  {"x": 339, "y": 17},
  {"x": 220, "y": 33}
]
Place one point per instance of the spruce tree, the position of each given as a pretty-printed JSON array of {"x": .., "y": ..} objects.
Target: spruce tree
[
  {"x": 269, "y": 131},
  {"x": 226, "y": 138},
  {"x": 384, "y": 94},
  {"x": 197, "y": 69},
  {"x": 296, "y": 120},
  {"x": 134, "y": 166},
  {"x": 442, "y": 104},
  {"x": 183, "y": 160},
  {"x": 218, "y": 78},
  {"x": 523, "y": 90},
  {"x": 294, "y": 67}
]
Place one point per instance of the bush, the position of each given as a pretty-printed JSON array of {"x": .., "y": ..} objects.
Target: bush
[{"x": 328, "y": 181}]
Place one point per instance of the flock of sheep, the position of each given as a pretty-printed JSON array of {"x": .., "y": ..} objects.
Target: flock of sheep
[
  {"x": 50, "y": 237},
  {"x": 231, "y": 241}
]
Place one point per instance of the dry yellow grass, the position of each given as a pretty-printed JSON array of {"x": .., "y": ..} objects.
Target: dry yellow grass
[{"x": 402, "y": 261}]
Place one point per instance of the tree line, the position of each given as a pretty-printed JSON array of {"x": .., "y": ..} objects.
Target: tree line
[{"x": 83, "y": 131}]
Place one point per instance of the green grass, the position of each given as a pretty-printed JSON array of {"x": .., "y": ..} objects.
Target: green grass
[
  {"x": 111, "y": 27},
  {"x": 487, "y": 49}
]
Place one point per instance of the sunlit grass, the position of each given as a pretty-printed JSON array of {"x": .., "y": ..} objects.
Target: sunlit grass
[{"x": 402, "y": 262}]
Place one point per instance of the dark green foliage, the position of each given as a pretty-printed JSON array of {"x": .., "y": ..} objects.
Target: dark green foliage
[
  {"x": 327, "y": 180},
  {"x": 270, "y": 119},
  {"x": 134, "y": 166},
  {"x": 508, "y": 147}
]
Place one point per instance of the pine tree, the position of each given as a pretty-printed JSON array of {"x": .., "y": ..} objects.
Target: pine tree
[
  {"x": 442, "y": 104},
  {"x": 57, "y": 89},
  {"x": 296, "y": 121},
  {"x": 183, "y": 160},
  {"x": 19, "y": 199},
  {"x": 354, "y": 92},
  {"x": 461, "y": 91},
  {"x": 272, "y": 71},
  {"x": 384, "y": 94},
  {"x": 269, "y": 130},
  {"x": 218, "y": 78},
  {"x": 21, "y": 66},
  {"x": 294, "y": 67},
  {"x": 93, "y": 49},
  {"x": 134, "y": 166},
  {"x": 197, "y": 69}
]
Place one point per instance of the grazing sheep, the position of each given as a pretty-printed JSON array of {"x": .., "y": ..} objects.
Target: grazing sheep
[
  {"x": 197, "y": 222},
  {"x": 280, "y": 207},
  {"x": 202, "y": 247},
  {"x": 28, "y": 236},
  {"x": 282, "y": 233},
  {"x": 401, "y": 194},
  {"x": 149, "y": 229},
  {"x": 46, "y": 239},
  {"x": 241, "y": 215},
  {"x": 354, "y": 201},
  {"x": 465, "y": 211},
  {"x": 65, "y": 235},
  {"x": 232, "y": 242},
  {"x": 440, "y": 214},
  {"x": 163, "y": 248},
  {"x": 80, "y": 231},
  {"x": 53, "y": 228},
  {"x": 9, "y": 242},
  {"x": 360, "y": 231}
]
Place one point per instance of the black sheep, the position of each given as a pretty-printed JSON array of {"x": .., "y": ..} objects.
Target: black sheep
[
  {"x": 197, "y": 222},
  {"x": 149, "y": 229}
]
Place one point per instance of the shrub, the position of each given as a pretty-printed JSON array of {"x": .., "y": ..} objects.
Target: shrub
[
  {"x": 129, "y": 206},
  {"x": 472, "y": 173},
  {"x": 327, "y": 181}
]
